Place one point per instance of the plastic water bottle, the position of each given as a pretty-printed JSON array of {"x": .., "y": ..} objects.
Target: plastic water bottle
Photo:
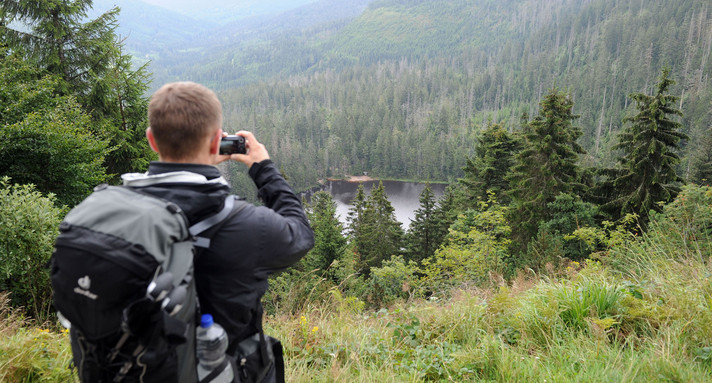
[{"x": 211, "y": 343}]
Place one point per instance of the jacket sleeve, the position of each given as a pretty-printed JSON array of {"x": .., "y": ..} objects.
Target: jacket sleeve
[{"x": 286, "y": 233}]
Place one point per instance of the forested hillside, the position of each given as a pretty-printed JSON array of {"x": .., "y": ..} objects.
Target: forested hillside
[
  {"x": 403, "y": 90},
  {"x": 255, "y": 48}
]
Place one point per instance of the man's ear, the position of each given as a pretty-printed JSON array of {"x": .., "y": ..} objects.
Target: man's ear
[
  {"x": 215, "y": 142},
  {"x": 151, "y": 140}
]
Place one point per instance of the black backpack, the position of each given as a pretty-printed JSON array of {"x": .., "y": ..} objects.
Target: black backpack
[{"x": 122, "y": 274}]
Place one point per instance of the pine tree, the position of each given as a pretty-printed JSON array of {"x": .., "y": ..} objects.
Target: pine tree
[
  {"x": 88, "y": 57},
  {"x": 423, "y": 236},
  {"x": 329, "y": 241},
  {"x": 646, "y": 177},
  {"x": 547, "y": 165},
  {"x": 487, "y": 171}
]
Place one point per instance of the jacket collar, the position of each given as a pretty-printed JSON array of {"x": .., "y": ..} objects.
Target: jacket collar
[{"x": 169, "y": 172}]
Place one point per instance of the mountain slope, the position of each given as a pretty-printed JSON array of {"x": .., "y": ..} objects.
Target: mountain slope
[
  {"x": 395, "y": 29},
  {"x": 383, "y": 85}
]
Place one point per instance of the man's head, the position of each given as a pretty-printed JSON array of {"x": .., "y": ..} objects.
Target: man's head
[{"x": 185, "y": 119}]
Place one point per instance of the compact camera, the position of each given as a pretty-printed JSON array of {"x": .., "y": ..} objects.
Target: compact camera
[{"x": 233, "y": 145}]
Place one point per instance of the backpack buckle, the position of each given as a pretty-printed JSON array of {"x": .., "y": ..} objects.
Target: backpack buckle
[
  {"x": 173, "y": 208},
  {"x": 201, "y": 242}
]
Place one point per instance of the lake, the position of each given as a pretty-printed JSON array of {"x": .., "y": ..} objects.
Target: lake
[{"x": 404, "y": 196}]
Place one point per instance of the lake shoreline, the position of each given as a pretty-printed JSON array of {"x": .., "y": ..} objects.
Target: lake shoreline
[
  {"x": 350, "y": 178},
  {"x": 356, "y": 179}
]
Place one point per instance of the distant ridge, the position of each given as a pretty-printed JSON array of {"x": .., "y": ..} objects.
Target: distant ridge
[
  {"x": 223, "y": 11},
  {"x": 148, "y": 28}
]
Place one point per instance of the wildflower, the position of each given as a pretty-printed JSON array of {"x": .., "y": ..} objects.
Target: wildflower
[{"x": 315, "y": 329}]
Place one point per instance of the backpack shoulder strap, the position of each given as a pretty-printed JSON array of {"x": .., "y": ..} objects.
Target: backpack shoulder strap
[{"x": 231, "y": 206}]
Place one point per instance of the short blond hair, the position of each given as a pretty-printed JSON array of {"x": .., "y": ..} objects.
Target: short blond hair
[{"x": 182, "y": 115}]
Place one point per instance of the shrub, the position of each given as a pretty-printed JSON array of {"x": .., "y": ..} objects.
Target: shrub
[
  {"x": 686, "y": 223},
  {"x": 394, "y": 280},
  {"x": 54, "y": 150},
  {"x": 476, "y": 246},
  {"x": 293, "y": 291},
  {"x": 553, "y": 241},
  {"x": 546, "y": 252},
  {"x": 28, "y": 228}
]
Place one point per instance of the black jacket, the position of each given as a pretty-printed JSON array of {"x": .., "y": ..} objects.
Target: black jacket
[{"x": 231, "y": 276}]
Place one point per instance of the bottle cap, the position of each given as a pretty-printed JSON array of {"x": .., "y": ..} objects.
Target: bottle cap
[{"x": 206, "y": 321}]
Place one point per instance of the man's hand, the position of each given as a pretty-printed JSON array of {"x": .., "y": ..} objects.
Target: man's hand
[{"x": 256, "y": 152}]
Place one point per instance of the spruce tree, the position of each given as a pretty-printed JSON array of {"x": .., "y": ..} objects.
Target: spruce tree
[
  {"x": 423, "y": 236},
  {"x": 487, "y": 170},
  {"x": 88, "y": 57},
  {"x": 547, "y": 165},
  {"x": 646, "y": 177},
  {"x": 61, "y": 42},
  {"x": 119, "y": 105},
  {"x": 355, "y": 221},
  {"x": 702, "y": 161},
  {"x": 446, "y": 211},
  {"x": 329, "y": 241},
  {"x": 355, "y": 215},
  {"x": 569, "y": 213},
  {"x": 376, "y": 233}
]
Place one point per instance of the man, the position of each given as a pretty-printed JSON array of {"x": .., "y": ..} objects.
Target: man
[{"x": 231, "y": 275}]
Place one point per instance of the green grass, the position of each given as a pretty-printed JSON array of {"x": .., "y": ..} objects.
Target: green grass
[
  {"x": 29, "y": 352},
  {"x": 588, "y": 326}
]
